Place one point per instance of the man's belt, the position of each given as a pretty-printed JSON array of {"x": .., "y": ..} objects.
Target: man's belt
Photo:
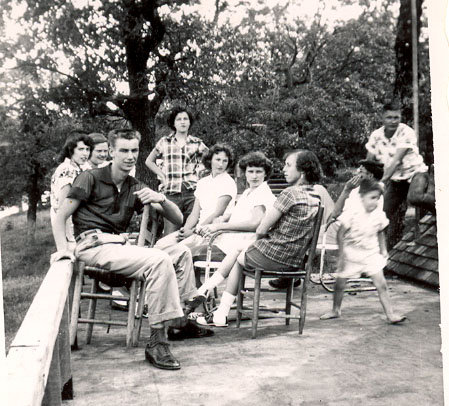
[{"x": 83, "y": 235}]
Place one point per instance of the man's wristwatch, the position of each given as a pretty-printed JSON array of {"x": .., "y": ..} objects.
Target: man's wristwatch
[{"x": 164, "y": 199}]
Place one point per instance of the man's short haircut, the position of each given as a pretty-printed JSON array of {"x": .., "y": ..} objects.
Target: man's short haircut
[
  {"x": 370, "y": 185},
  {"x": 308, "y": 163},
  {"x": 256, "y": 159},
  {"x": 71, "y": 142},
  {"x": 125, "y": 133},
  {"x": 373, "y": 167},
  {"x": 175, "y": 112},
  {"x": 216, "y": 149},
  {"x": 97, "y": 138},
  {"x": 392, "y": 105}
]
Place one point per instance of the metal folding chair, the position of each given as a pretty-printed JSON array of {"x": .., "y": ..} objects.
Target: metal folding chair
[{"x": 327, "y": 278}]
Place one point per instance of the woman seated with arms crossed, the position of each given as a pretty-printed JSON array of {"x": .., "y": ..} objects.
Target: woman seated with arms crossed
[
  {"x": 282, "y": 233},
  {"x": 246, "y": 216},
  {"x": 213, "y": 194}
]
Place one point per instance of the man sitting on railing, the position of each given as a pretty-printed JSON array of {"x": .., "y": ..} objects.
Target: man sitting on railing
[{"x": 101, "y": 203}]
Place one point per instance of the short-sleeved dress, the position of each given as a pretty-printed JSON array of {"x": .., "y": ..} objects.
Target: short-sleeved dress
[
  {"x": 242, "y": 211},
  {"x": 361, "y": 243}
]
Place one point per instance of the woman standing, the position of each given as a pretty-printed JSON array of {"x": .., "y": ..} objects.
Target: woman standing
[{"x": 181, "y": 155}]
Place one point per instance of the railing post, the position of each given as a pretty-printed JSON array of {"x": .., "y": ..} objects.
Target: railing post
[
  {"x": 52, "y": 394},
  {"x": 64, "y": 355}
]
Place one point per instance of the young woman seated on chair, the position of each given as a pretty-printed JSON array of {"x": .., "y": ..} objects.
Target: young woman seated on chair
[
  {"x": 245, "y": 217},
  {"x": 282, "y": 232},
  {"x": 214, "y": 193}
]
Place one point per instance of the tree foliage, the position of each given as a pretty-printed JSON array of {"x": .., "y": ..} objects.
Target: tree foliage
[{"x": 267, "y": 81}]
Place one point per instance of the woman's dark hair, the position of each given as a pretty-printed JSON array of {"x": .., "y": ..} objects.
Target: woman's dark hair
[
  {"x": 307, "y": 162},
  {"x": 215, "y": 149},
  {"x": 370, "y": 185},
  {"x": 174, "y": 113},
  {"x": 256, "y": 159},
  {"x": 71, "y": 142}
]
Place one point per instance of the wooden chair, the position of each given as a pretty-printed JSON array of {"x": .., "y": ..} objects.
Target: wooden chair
[
  {"x": 307, "y": 254},
  {"x": 136, "y": 286}
]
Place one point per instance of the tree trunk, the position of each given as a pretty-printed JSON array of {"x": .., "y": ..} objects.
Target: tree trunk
[
  {"x": 33, "y": 200},
  {"x": 138, "y": 108},
  {"x": 403, "y": 86}
]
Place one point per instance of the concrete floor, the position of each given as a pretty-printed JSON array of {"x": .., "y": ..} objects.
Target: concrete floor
[{"x": 356, "y": 360}]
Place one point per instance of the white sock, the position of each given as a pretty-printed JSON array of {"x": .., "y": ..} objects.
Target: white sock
[
  {"x": 211, "y": 283},
  {"x": 225, "y": 304}
]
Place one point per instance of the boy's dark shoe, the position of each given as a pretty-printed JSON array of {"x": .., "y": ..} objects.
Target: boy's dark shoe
[
  {"x": 190, "y": 330},
  {"x": 282, "y": 283},
  {"x": 160, "y": 356}
]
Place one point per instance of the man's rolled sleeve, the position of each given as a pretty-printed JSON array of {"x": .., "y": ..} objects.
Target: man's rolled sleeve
[{"x": 82, "y": 186}]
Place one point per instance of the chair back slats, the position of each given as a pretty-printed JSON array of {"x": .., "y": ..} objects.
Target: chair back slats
[
  {"x": 148, "y": 227},
  {"x": 144, "y": 226},
  {"x": 147, "y": 236},
  {"x": 314, "y": 237}
]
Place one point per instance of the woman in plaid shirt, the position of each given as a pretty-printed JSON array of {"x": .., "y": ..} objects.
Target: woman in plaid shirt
[
  {"x": 181, "y": 154},
  {"x": 282, "y": 233}
]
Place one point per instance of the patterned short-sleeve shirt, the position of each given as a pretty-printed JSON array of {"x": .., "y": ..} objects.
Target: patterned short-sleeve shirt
[
  {"x": 180, "y": 164},
  {"x": 64, "y": 175},
  {"x": 384, "y": 150},
  {"x": 286, "y": 239}
]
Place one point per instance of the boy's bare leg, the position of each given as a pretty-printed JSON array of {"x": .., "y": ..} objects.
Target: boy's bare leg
[
  {"x": 338, "y": 299},
  {"x": 381, "y": 285}
]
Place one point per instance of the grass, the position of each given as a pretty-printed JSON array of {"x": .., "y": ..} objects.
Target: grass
[{"x": 24, "y": 266}]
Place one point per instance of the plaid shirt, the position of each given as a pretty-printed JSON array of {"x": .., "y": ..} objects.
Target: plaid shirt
[
  {"x": 286, "y": 239},
  {"x": 180, "y": 164}
]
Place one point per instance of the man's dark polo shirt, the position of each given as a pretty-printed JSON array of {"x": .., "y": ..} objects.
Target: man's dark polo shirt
[{"x": 102, "y": 205}]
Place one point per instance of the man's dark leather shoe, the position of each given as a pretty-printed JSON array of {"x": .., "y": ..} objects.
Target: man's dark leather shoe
[
  {"x": 190, "y": 330},
  {"x": 282, "y": 283},
  {"x": 160, "y": 356}
]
